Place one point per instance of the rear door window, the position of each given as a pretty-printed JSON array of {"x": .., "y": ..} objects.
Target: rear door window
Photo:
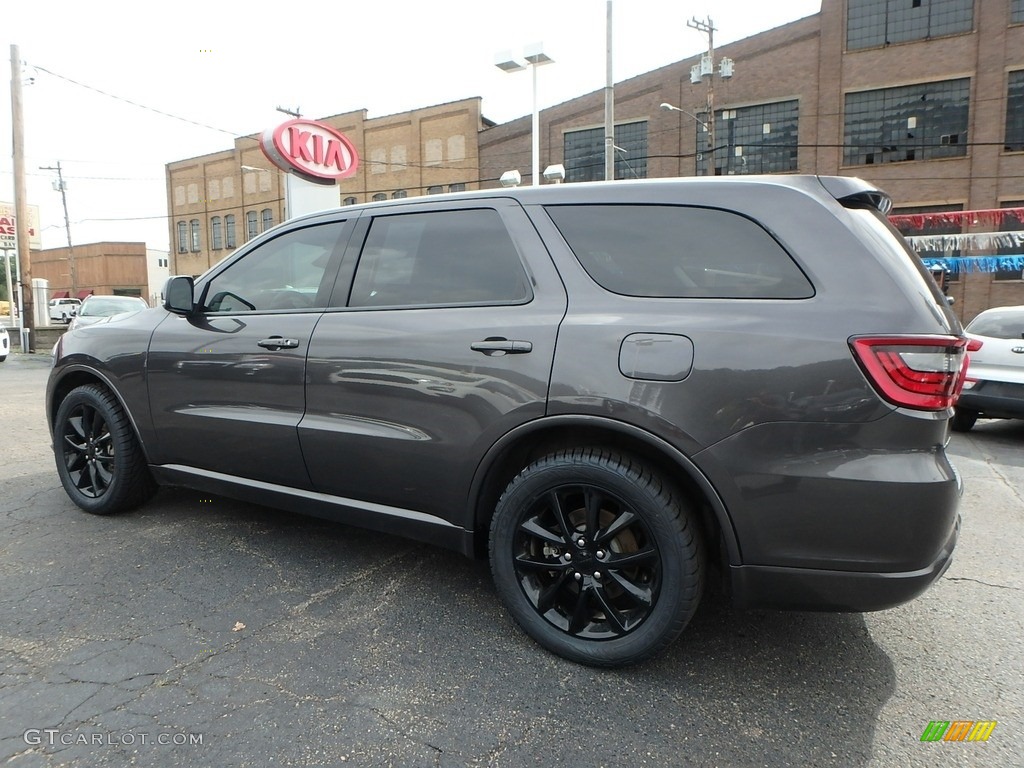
[{"x": 672, "y": 251}]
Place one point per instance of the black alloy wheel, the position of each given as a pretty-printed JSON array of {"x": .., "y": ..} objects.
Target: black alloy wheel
[
  {"x": 596, "y": 558},
  {"x": 98, "y": 458}
]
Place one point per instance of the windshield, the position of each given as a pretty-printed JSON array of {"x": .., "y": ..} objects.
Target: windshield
[{"x": 104, "y": 307}]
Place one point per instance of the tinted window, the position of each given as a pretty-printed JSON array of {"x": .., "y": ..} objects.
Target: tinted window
[
  {"x": 678, "y": 252},
  {"x": 285, "y": 273},
  {"x": 439, "y": 258}
]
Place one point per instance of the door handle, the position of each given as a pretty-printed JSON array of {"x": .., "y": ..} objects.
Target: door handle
[
  {"x": 277, "y": 342},
  {"x": 501, "y": 346}
]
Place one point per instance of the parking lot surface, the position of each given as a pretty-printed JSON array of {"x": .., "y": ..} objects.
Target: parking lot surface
[{"x": 202, "y": 631}]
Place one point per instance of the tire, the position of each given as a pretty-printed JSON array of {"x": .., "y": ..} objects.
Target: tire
[
  {"x": 98, "y": 457},
  {"x": 65, "y": 319},
  {"x": 622, "y": 594},
  {"x": 963, "y": 420}
]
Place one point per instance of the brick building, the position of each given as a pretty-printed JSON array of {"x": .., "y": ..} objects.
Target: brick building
[
  {"x": 926, "y": 99},
  {"x": 218, "y": 201},
  {"x": 109, "y": 268}
]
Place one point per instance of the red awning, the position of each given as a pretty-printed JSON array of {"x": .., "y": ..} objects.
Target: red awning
[
  {"x": 60, "y": 295},
  {"x": 86, "y": 292}
]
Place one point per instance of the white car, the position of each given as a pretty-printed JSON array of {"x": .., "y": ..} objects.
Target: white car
[
  {"x": 62, "y": 310},
  {"x": 5, "y": 344},
  {"x": 994, "y": 388},
  {"x": 96, "y": 307}
]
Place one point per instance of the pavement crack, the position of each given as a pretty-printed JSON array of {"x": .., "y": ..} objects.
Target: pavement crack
[{"x": 984, "y": 583}]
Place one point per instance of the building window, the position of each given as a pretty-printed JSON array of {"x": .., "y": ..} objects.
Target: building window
[
  {"x": 349, "y": 201},
  {"x": 399, "y": 194},
  {"x": 182, "y": 237},
  {"x": 1015, "y": 112},
  {"x": 251, "y": 225},
  {"x": 911, "y": 122},
  {"x": 1016, "y": 11},
  {"x": 437, "y": 189},
  {"x": 872, "y": 23},
  {"x": 378, "y": 197},
  {"x": 196, "y": 243},
  {"x": 932, "y": 227},
  {"x": 758, "y": 139},
  {"x": 460, "y": 187},
  {"x": 268, "y": 219},
  {"x": 583, "y": 153},
  {"x": 229, "y": 231},
  {"x": 216, "y": 234},
  {"x": 432, "y": 149},
  {"x": 1011, "y": 222}
]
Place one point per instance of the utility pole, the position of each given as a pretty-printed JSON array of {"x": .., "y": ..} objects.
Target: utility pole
[
  {"x": 609, "y": 103},
  {"x": 62, "y": 188},
  {"x": 28, "y": 320},
  {"x": 706, "y": 68}
]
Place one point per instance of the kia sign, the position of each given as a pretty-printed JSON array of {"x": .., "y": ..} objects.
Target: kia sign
[
  {"x": 8, "y": 240},
  {"x": 311, "y": 150}
]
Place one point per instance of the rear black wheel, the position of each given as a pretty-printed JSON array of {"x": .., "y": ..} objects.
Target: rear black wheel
[
  {"x": 963, "y": 420},
  {"x": 596, "y": 558},
  {"x": 98, "y": 457}
]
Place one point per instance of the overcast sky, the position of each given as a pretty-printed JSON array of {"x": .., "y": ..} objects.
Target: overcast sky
[{"x": 225, "y": 65}]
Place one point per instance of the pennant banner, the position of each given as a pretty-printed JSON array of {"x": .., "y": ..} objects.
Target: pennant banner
[
  {"x": 1014, "y": 263},
  {"x": 975, "y": 240},
  {"x": 993, "y": 217}
]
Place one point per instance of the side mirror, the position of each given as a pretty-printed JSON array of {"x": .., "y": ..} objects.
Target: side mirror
[{"x": 178, "y": 293}]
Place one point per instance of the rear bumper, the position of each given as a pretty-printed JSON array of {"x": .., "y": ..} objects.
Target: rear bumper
[
  {"x": 808, "y": 589},
  {"x": 993, "y": 398}
]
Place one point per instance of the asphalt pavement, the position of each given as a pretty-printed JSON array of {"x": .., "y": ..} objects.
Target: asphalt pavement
[{"x": 202, "y": 631}]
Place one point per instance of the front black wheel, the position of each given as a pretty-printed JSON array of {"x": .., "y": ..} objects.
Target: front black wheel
[
  {"x": 98, "y": 457},
  {"x": 596, "y": 558}
]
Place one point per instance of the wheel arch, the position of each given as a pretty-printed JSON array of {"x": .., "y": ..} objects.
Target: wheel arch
[
  {"x": 78, "y": 376},
  {"x": 515, "y": 450}
]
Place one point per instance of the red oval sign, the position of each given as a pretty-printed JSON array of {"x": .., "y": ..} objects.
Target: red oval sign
[{"x": 310, "y": 149}]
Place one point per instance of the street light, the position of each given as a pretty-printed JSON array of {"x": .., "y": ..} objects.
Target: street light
[
  {"x": 671, "y": 108},
  {"x": 535, "y": 57}
]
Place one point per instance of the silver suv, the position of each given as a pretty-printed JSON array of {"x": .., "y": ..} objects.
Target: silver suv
[{"x": 617, "y": 392}]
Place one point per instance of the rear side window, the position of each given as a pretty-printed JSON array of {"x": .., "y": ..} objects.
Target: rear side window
[
  {"x": 437, "y": 258},
  {"x": 672, "y": 251}
]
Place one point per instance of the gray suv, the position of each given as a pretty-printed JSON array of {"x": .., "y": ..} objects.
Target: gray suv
[{"x": 618, "y": 392}]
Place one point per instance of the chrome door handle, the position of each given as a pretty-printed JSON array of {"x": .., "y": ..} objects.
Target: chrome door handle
[{"x": 277, "y": 342}]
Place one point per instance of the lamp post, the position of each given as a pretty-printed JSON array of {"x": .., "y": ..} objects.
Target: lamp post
[
  {"x": 672, "y": 108},
  {"x": 535, "y": 57}
]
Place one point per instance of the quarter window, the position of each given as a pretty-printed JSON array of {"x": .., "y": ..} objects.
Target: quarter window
[
  {"x": 453, "y": 258},
  {"x": 911, "y": 122},
  {"x": 289, "y": 272},
  {"x": 678, "y": 252}
]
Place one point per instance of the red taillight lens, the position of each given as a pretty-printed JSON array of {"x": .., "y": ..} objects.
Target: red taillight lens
[{"x": 922, "y": 372}]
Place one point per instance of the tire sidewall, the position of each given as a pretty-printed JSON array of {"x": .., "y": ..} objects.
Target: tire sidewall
[
  {"x": 123, "y": 441},
  {"x": 680, "y": 583}
]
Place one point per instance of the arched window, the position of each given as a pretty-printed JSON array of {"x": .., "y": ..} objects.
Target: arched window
[
  {"x": 399, "y": 194},
  {"x": 182, "y": 237},
  {"x": 350, "y": 201},
  {"x": 435, "y": 190},
  {"x": 252, "y": 224},
  {"x": 196, "y": 241},
  {"x": 229, "y": 231},
  {"x": 216, "y": 234},
  {"x": 268, "y": 219},
  {"x": 379, "y": 196}
]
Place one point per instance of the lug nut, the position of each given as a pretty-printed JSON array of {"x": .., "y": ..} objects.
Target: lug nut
[
  {"x": 581, "y": 542},
  {"x": 597, "y": 575},
  {"x": 567, "y": 556},
  {"x": 577, "y": 576},
  {"x": 601, "y": 554}
]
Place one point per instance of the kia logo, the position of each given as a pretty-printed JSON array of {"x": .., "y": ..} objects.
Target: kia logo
[
  {"x": 1018, "y": 350},
  {"x": 311, "y": 150}
]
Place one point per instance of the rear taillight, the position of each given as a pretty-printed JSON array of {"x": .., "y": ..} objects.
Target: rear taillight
[{"x": 922, "y": 372}]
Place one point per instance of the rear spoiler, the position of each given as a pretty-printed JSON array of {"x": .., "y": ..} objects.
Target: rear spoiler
[{"x": 856, "y": 193}]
